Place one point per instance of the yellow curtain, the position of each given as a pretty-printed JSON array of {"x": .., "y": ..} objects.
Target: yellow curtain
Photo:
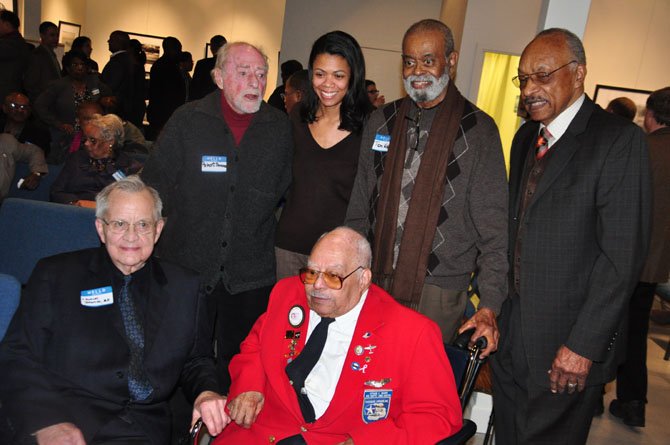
[{"x": 499, "y": 97}]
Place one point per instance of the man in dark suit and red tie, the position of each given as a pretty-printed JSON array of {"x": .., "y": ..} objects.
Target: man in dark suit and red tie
[
  {"x": 336, "y": 360},
  {"x": 103, "y": 336},
  {"x": 579, "y": 231}
]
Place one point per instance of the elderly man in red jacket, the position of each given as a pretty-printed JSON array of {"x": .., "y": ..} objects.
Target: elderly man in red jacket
[{"x": 336, "y": 360}]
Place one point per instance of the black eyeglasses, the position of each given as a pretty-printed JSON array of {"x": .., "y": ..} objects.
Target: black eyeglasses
[
  {"x": 539, "y": 77},
  {"x": 373, "y": 91},
  {"x": 332, "y": 280}
]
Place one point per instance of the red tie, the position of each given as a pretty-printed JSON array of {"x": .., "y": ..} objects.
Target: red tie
[{"x": 542, "y": 144}]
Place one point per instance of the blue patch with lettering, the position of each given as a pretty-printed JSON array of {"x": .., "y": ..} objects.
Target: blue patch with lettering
[{"x": 376, "y": 404}]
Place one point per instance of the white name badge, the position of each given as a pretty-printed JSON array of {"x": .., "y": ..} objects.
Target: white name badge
[
  {"x": 95, "y": 92},
  {"x": 381, "y": 142},
  {"x": 102, "y": 296},
  {"x": 118, "y": 175},
  {"x": 214, "y": 164}
]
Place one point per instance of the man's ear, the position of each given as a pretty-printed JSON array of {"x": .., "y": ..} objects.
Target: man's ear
[{"x": 218, "y": 77}]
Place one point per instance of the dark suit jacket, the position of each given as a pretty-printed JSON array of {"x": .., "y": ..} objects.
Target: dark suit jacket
[
  {"x": 586, "y": 233},
  {"x": 167, "y": 91},
  {"x": 41, "y": 70},
  {"x": 119, "y": 75},
  {"x": 202, "y": 83},
  {"x": 61, "y": 361}
]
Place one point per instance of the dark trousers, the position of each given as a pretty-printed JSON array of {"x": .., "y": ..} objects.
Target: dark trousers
[
  {"x": 631, "y": 377},
  {"x": 526, "y": 411},
  {"x": 233, "y": 318}
]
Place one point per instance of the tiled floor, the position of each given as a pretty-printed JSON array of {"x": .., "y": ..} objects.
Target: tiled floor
[{"x": 608, "y": 430}]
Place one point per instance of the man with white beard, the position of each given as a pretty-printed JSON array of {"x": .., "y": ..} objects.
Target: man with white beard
[
  {"x": 221, "y": 164},
  {"x": 431, "y": 192}
]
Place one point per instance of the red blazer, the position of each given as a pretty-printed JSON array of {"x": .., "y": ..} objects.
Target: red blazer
[{"x": 417, "y": 404}]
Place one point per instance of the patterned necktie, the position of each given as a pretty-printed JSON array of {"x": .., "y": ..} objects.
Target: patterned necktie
[
  {"x": 138, "y": 382},
  {"x": 542, "y": 144},
  {"x": 299, "y": 369}
]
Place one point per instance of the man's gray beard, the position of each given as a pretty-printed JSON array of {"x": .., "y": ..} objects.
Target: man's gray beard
[{"x": 426, "y": 94}]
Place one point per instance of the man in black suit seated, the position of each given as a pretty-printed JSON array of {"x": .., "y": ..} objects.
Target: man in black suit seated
[
  {"x": 103, "y": 336},
  {"x": 18, "y": 122},
  {"x": 203, "y": 83}
]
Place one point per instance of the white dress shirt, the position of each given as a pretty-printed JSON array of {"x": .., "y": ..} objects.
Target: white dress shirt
[
  {"x": 560, "y": 124},
  {"x": 321, "y": 382}
]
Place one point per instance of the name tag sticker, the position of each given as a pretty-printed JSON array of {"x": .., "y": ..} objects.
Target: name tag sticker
[
  {"x": 381, "y": 142},
  {"x": 102, "y": 296},
  {"x": 376, "y": 404},
  {"x": 95, "y": 92},
  {"x": 214, "y": 164},
  {"x": 118, "y": 175}
]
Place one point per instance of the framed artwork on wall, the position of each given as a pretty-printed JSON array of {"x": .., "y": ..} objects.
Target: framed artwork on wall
[
  {"x": 206, "y": 50},
  {"x": 152, "y": 46},
  {"x": 67, "y": 32},
  {"x": 606, "y": 93},
  {"x": 9, "y": 5}
]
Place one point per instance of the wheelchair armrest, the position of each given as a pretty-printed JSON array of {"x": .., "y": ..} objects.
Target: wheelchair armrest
[{"x": 461, "y": 436}]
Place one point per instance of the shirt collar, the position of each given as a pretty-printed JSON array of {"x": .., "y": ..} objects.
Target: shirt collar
[
  {"x": 118, "y": 52},
  {"x": 346, "y": 322},
  {"x": 560, "y": 124}
]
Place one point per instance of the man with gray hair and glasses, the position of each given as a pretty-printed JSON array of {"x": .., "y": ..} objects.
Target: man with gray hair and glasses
[{"x": 103, "y": 336}]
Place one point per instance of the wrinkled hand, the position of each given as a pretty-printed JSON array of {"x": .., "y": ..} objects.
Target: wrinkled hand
[
  {"x": 211, "y": 407},
  {"x": 245, "y": 408},
  {"x": 349, "y": 441},
  {"x": 31, "y": 182},
  {"x": 484, "y": 322},
  {"x": 60, "y": 434},
  {"x": 570, "y": 370}
]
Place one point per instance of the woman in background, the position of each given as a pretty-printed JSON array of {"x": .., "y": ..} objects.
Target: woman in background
[
  {"x": 86, "y": 172},
  {"x": 327, "y": 131}
]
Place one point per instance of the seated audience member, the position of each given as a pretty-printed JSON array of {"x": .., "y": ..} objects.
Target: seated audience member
[
  {"x": 12, "y": 151},
  {"x": 287, "y": 69},
  {"x": 203, "y": 82},
  {"x": 295, "y": 89},
  {"x": 86, "y": 172},
  {"x": 85, "y": 112},
  {"x": 18, "y": 122},
  {"x": 131, "y": 134},
  {"x": 57, "y": 105},
  {"x": 339, "y": 361},
  {"x": 622, "y": 106},
  {"x": 103, "y": 336},
  {"x": 376, "y": 99},
  {"x": 83, "y": 44}
]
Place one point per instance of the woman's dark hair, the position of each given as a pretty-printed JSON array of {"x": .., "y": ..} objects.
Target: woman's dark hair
[
  {"x": 79, "y": 42},
  {"x": 355, "y": 106},
  {"x": 69, "y": 57}
]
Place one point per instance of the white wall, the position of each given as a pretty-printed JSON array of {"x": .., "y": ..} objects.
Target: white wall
[
  {"x": 377, "y": 25},
  {"x": 627, "y": 44},
  {"x": 503, "y": 26}
]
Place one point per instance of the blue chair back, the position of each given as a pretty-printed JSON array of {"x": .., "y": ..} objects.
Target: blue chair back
[
  {"x": 10, "y": 294},
  {"x": 31, "y": 230},
  {"x": 41, "y": 193}
]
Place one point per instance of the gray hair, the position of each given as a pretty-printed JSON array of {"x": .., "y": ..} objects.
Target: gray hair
[
  {"x": 130, "y": 184},
  {"x": 433, "y": 25},
  {"x": 224, "y": 52},
  {"x": 573, "y": 42},
  {"x": 110, "y": 126}
]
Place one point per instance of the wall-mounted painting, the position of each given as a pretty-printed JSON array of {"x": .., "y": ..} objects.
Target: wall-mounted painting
[
  {"x": 152, "y": 46},
  {"x": 67, "y": 32},
  {"x": 606, "y": 93}
]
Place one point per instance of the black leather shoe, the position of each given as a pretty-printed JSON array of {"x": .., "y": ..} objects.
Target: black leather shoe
[{"x": 632, "y": 413}]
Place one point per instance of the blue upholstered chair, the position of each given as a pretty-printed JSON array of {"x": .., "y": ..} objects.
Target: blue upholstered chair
[
  {"x": 41, "y": 193},
  {"x": 31, "y": 230},
  {"x": 10, "y": 294}
]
